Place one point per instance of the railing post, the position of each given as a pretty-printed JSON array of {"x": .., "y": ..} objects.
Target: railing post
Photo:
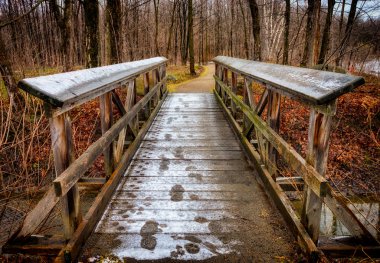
[
  {"x": 162, "y": 76},
  {"x": 234, "y": 90},
  {"x": 106, "y": 118},
  {"x": 156, "y": 74},
  {"x": 225, "y": 80},
  {"x": 61, "y": 136},
  {"x": 273, "y": 120},
  {"x": 317, "y": 153},
  {"x": 247, "y": 100},
  {"x": 146, "y": 90}
]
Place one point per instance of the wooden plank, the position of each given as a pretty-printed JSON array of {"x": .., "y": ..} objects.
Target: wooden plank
[
  {"x": 195, "y": 165},
  {"x": 36, "y": 245},
  {"x": 60, "y": 129},
  {"x": 70, "y": 89},
  {"x": 277, "y": 195},
  {"x": 106, "y": 120},
  {"x": 234, "y": 90},
  {"x": 318, "y": 148},
  {"x": 192, "y": 143},
  {"x": 311, "y": 86},
  {"x": 96, "y": 210},
  {"x": 146, "y": 90},
  {"x": 72, "y": 174},
  {"x": 181, "y": 153},
  {"x": 316, "y": 182},
  {"x": 273, "y": 120},
  {"x": 129, "y": 102}
]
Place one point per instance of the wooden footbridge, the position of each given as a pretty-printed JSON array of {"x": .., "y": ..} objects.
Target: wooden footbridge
[{"x": 192, "y": 176}]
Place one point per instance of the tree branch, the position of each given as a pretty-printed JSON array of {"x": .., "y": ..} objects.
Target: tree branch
[{"x": 4, "y": 24}]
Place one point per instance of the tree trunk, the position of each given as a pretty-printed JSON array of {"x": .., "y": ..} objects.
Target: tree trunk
[
  {"x": 191, "y": 36},
  {"x": 113, "y": 16},
  {"x": 156, "y": 3},
  {"x": 171, "y": 29},
  {"x": 67, "y": 41},
  {"x": 91, "y": 18},
  {"x": 326, "y": 32},
  {"x": 285, "y": 57},
  {"x": 6, "y": 70},
  {"x": 255, "y": 29},
  {"x": 307, "y": 58},
  {"x": 347, "y": 32}
]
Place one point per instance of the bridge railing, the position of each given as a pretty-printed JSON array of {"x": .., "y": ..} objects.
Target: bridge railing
[
  {"x": 316, "y": 89},
  {"x": 61, "y": 93}
]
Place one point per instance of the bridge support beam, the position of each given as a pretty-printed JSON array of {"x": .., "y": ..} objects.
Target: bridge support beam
[
  {"x": 60, "y": 128},
  {"x": 317, "y": 153}
]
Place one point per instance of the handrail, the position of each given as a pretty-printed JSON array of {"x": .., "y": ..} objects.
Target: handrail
[
  {"x": 268, "y": 144},
  {"x": 65, "y": 90},
  {"x": 310, "y": 86}
]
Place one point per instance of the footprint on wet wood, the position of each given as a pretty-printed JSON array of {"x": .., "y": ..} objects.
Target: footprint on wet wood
[
  {"x": 192, "y": 248},
  {"x": 176, "y": 193},
  {"x": 147, "y": 232}
]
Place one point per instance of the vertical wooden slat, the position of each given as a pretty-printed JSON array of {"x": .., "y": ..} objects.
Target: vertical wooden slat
[
  {"x": 218, "y": 75},
  {"x": 163, "y": 74},
  {"x": 129, "y": 102},
  {"x": 106, "y": 117},
  {"x": 156, "y": 74},
  {"x": 146, "y": 90},
  {"x": 317, "y": 153},
  {"x": 234, "y": 90},
  {"x": 225, "y": 80},
  {"x": 273, "y": 120},
  {"x": 60, "y": 128},
  {"x": 246, "y": 94}
]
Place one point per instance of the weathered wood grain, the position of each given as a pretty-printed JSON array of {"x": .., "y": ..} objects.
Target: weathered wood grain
[{"x": 311, "y": 86}]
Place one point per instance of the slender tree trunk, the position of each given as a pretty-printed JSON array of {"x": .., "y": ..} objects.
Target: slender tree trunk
[
  {"x": 255, "y": 29},
  {"x": 171, "y": 29},
  {"x": 326, "y": 32},
  {"x": 191, "y": 37},
  {"x": 347, "y": 33},
  {"x": 156, "y": 5},
  {"x": 307, "y": 58},
  {"x": 67, "y": 41},
  {"x": 246, "y": 49},
  {"x": 113, "y": 17},
  {"x": 91, "y": 19},
  {"x": 285, "y": 57}
]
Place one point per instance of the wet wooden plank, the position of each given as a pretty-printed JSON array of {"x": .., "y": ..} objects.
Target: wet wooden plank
[
  {"x": 191, "y": 143},
  {"x": 180, "y": 153},
  {"x": 156, "y": 135},
  {"x": 136, "y": 171},
  {"x": 308, "y": 85},
  {"x": 193, "y": 165},
  {"x": 72, "y": 88}
]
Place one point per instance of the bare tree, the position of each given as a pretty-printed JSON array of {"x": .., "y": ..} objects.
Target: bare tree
[
  {"x": 113, "y": 16},
  {"x": 91, "y": 17},
  {"x": 255, "y": 29},
  {"x": 191, "y": 36},
  {"x": 285, "y": 57},
  {"x": 326, "y": 32}
]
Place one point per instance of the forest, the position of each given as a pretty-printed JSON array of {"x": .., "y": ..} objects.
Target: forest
[{"x": 41, "y": 37}]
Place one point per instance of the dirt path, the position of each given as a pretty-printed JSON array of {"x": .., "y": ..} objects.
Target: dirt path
[{"x": 203, "y": 84}]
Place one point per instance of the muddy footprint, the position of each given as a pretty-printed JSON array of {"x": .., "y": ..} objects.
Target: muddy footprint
[{"x": 176, "y": 193}]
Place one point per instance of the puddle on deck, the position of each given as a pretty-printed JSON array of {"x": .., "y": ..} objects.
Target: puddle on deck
[{"x": 368, "y": 212}]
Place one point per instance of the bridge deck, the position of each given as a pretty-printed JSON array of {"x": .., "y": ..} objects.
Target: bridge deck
[{"x": 190, "y": 193}]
